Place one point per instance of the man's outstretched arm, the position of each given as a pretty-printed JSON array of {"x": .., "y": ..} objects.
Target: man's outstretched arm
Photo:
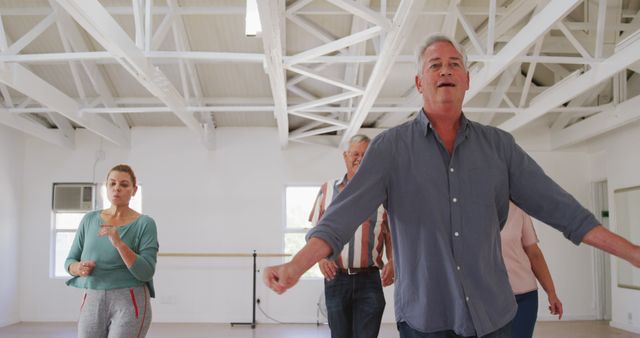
[
  {"x": 614, "y": 244},
  {"x": 280, "y": 278}
]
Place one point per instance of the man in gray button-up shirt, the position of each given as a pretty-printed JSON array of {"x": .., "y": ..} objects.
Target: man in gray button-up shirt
[{"x": 446, "y": 183}]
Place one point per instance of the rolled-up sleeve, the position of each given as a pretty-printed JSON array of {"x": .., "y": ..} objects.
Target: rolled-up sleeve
[{"x": 539, "y": 196}]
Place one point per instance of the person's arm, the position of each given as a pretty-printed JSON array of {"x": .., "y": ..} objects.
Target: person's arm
[
  {"x": 73, "y": 264},
  {"x": 388, "y": 273},
  {"x": 128, "y": 256},
  {"x": 281, "y": 277},
  {"x": 361, "y": 197},
  {"x": 541, "y": 271},
  {"x": 539, "y": 196},
  {"x": 614, "y": 244},
  {"x": 142, "y": 264}
]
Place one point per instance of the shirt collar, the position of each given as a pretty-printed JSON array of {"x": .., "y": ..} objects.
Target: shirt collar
[
  {"x": 343, "y": 181},
  {"x": 425, "y": 124}
]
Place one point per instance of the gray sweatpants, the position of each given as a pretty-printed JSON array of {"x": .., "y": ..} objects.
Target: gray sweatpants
[{"x": 116, "y": 313}]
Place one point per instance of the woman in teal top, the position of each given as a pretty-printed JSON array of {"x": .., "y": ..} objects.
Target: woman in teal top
[{"x": 113, "y": 257}]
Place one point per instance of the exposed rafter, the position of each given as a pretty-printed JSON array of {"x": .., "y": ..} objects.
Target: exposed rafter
[
  {"x": 534, "y": 29},
  {"x": 334, "y": 67},
  {"x": 36, "y": 129},
  {"x": 571, "y": 88},
  {"x": 182, "y": 44},
  {"x": 403, "y": 22},
  {"x": 72, "y": 39},
  {"x": 272, "y": 20},
  {"x": 597, "y": 124},
  {"x": 96, "y": 21},
  {"x": 26, "y": 82}
]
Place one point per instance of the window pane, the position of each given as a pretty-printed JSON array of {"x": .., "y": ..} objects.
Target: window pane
[
  {"x": 293, "y": 242},
  {"x": 299, "y": 202},
  {"x": 135, "y": 203},
  {"x": 68, "y": 220},
  {"x": 63, "y": 243}
]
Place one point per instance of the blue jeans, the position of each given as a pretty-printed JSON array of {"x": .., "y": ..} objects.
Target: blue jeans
[
  {"x": 407, "y": 332},
  {"x": 527, "y": 314},
  {"x": 355, "y": 304}
]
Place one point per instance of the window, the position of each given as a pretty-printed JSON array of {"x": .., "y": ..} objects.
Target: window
[
  {"x": 299, "y": 201},
  {"x": 66, "y": 220}
]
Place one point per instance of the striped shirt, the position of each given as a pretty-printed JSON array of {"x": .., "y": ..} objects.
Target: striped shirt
[{"x": 366, "y": 247}]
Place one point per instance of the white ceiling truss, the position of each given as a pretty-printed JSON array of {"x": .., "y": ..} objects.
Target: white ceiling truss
[{"x": 319, "y": 68}]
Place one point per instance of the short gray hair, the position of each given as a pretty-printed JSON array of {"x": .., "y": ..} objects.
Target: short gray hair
[
  {"x": 359, "y": 138},
  {"x": 438, "y": 37}
]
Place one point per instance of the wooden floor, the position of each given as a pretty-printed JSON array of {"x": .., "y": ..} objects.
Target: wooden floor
[{"x": 563, "y": 329}]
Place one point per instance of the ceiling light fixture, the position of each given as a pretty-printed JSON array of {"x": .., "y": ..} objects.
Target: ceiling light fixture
[{"x": 252, "y": 19}]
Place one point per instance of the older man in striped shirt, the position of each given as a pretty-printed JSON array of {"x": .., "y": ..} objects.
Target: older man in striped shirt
[{"x": 354, "y": 280}]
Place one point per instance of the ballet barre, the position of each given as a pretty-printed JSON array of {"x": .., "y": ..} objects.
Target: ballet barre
[{"x": 212, "y": 254}]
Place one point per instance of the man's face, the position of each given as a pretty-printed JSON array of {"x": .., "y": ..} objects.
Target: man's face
[
  {"x": 353, "y": 156},
  {"x": 444, "y": 78}
]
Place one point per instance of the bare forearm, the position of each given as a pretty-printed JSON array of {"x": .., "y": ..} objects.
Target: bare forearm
[
  {"x": 614, "y": 244},
  {"x": 388, "y": 247},
  {"x": 315, "y": 250},
  {"x": 540, "y": 269},
  {"x": 128, "y": 256}
]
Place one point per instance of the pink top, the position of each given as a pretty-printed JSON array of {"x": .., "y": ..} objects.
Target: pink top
[{"x": 518, "y": 233}]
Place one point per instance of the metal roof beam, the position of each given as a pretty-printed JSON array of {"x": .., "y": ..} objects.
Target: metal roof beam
[
  {"x": 567, "y": 90},
  {"x": 182, "y": 44},
  {"x": 532, "y": 31},
  {"x": 334, "y": 82},
  {"x": 4, "y": 45},
  {"x": 28, "y": 83},
  {"x": 26, "y": 39},
  {"x": 333, "y": 46},
  {"x": 403, "y": 22},
  {"x": 70, "y": 34},
  {"x": 616, "y": 117},
  {"x": 272, "y": 20},
  {"x": 94, "y": 18},
  {"x": 363, "y": 12},
  {"x": 35, "y": 129}
]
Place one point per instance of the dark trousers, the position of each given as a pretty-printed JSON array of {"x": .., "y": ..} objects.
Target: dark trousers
[
  {"x": 407, "y": 332},
  {"x": 355, "y": 304},
  {"x": 527, "y": 314}
]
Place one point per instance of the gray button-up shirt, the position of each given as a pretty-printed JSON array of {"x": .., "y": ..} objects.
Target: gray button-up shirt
[{"x": 445, "y": 214}]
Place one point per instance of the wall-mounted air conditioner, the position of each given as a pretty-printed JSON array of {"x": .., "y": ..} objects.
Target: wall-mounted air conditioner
[{"x": 69, "y": 197}]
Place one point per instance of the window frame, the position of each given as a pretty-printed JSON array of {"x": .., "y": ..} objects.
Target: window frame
[{"x": 309, "y": 275}]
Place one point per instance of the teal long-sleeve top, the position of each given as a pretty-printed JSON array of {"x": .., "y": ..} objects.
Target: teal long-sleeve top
[{"x": 111, "y": 272}]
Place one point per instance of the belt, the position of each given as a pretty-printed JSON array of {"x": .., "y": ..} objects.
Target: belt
[{"x": 355, "y": 271}]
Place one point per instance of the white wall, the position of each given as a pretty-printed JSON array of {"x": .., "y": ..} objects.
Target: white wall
[
  {"x": 12, "y": 149},
  {"x": 571, "y": 266},
  {"x": 616, "y": 158},
  {"x": 230, "y": 200}
]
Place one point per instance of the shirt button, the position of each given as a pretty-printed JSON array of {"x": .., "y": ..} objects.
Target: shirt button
[
  {"x": 451, "y": 169},
  {"x": 455, "y": 200},
  {"x": 458, "y": 267},
  {"x": 467, "y": 299},
  {"x": 456, "y": 234}
]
